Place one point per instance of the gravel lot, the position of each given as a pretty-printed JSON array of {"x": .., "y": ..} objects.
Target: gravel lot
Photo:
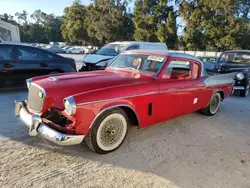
[{"x": 191, "y": 151}]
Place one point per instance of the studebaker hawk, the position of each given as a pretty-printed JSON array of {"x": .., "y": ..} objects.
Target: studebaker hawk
[{"x": 139, "y": 88}]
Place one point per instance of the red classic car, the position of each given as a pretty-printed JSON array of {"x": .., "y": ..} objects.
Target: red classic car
[{"x": 138, "y": 88}]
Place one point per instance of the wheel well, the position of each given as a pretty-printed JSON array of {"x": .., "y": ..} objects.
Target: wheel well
[
  {"x": 221, "y": 94},
  {"x": 133, "y": 119}
]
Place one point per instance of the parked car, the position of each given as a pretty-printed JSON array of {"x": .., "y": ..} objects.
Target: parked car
[
  {"x": 91, "y": 50},
  {"x": 236, "y": 61},
  {"x": 209, "y": 63},
  {"x": 54, "y": 49},
  {"x": 139, "y": 88},
  {"x": 19, "y": 62},
  {"x": 104, "y": 56},
  {"x": 73, "y": 50}
]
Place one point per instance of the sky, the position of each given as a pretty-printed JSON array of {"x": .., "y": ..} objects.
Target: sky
[{"x": 48, "y": 6}]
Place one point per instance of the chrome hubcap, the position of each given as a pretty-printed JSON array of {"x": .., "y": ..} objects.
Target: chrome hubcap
[
  {"x": 111, "y": 131},
  {"x": 215, "y": 103}
]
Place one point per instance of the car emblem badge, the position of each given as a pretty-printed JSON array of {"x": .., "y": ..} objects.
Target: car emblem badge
[
  {"x": 53, "y": 79},
  {"x": 40, "y": 94}
]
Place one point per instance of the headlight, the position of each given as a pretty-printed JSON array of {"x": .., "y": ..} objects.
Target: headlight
[
  {"x": 240, "y": 76},
  {"x": 102, "y": 64},
  {"x": 70, "y": 105},
  {"x": 28, "y": 82}
]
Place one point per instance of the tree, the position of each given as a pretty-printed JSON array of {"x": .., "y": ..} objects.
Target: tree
[
  {"x": 22, "y": 17},
  {"x": 155, "y": 21},
  {"x": 108, "y": 20},
  {"x": 73, "y": 28},
  {"x": 39, "y": 17},
  {"x": 217, "y": 24},
  {"x": 8, "y": 18}
]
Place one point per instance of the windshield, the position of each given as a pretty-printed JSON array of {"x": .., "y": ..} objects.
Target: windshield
[
  {"x": 144, "y": 64},
  {"x": 235, "y": 57},
  {"x": 111, "y": 49},
  {"x": 208, "y": 59}
]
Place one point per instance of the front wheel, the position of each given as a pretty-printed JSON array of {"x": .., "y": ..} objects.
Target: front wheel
[
  {"x": 245, "y": 92},
  {"x": 108, "y": 131},
  {"x": 213, "y": 105}
]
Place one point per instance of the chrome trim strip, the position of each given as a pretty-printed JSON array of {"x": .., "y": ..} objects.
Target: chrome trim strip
[
  {"x": 118, "y": 98},
  {"x": 39, "y": 88},
  {"x": 37, "y": 127},
  {"x": 238, "y": 88},
  {"x": 110, "y": 107},
  {"x": 28, "y": 82},
  {"x": 175, "y": 90},
  {"x": 238, "y": 68}
]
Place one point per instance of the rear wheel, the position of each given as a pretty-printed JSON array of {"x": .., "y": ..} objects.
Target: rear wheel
[
  {"x": 213, "y": 105},
  {"x": 245, "y": 92},
  {"x": 108, "y": 131}
]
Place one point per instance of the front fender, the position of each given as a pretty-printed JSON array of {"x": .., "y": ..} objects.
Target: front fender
[{"x": 86, "y": 114}]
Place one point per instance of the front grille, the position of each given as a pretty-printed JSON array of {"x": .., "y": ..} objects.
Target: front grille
[{"x": 36, "y": 98}]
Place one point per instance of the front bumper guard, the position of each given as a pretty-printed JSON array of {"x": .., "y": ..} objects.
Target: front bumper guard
[{"x": 37, "y": 127}]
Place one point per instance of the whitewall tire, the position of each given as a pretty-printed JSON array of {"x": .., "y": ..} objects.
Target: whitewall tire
[{"x": 108, "y": 131}]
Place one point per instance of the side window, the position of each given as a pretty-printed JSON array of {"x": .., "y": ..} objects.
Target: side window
[
  {"x": 178, "y": 70},
  {"x": 150, "y": 65},
  {"x": 29, "y": 54},
  {"x": 133, "y": 47},
  {"x": 5, "y": 52}
]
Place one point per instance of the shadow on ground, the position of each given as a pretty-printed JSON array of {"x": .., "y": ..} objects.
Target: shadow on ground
[{"x": 190, "y": 151}]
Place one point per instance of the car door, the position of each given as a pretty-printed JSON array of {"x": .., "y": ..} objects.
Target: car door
[
  {"x": 178, "y": 88},
  {"x": 29, "y": 62},
  {"x": 6, "y": 66}
]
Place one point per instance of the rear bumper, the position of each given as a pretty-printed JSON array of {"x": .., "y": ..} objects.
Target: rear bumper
[{"x": 37, "y": 127}]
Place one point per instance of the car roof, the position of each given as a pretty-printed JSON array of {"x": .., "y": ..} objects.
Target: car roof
[
  {"x": 163, "y": 52},
  {"x": 26, "y": 45},
  {"x": 13, "y": 43},
  {"x": 136, "y": 42}
]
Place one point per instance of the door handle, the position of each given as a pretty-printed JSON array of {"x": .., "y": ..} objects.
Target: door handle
[{"x": 7, "y": 65}]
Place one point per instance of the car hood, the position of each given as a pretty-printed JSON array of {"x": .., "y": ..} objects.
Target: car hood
[
  {"x": 95, "y": 58},
  {"x": 60, "y": 86},
  {"x": 234, "y": 67}
]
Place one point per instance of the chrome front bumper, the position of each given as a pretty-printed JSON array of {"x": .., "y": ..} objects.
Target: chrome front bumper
[
  {"x": 37, "y": 127},
  {"x": 238, "y": 88}
]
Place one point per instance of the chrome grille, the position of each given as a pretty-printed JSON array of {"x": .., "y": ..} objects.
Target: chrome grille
[{"x": 36, "y": 98}]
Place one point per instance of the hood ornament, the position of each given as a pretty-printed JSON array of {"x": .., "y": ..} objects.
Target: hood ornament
[{"x": 53, "y": 79}]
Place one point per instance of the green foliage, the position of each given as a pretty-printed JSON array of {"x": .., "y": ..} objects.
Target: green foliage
[
  {"x": 215, "y": 25},
  {"x": 108, "y": 21},
  {"x": 42, "y": 28},
  {"x": 73, "y": 27},
  {"x": 155, "y": 21},
  {"x": 209, "y": 24}
]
